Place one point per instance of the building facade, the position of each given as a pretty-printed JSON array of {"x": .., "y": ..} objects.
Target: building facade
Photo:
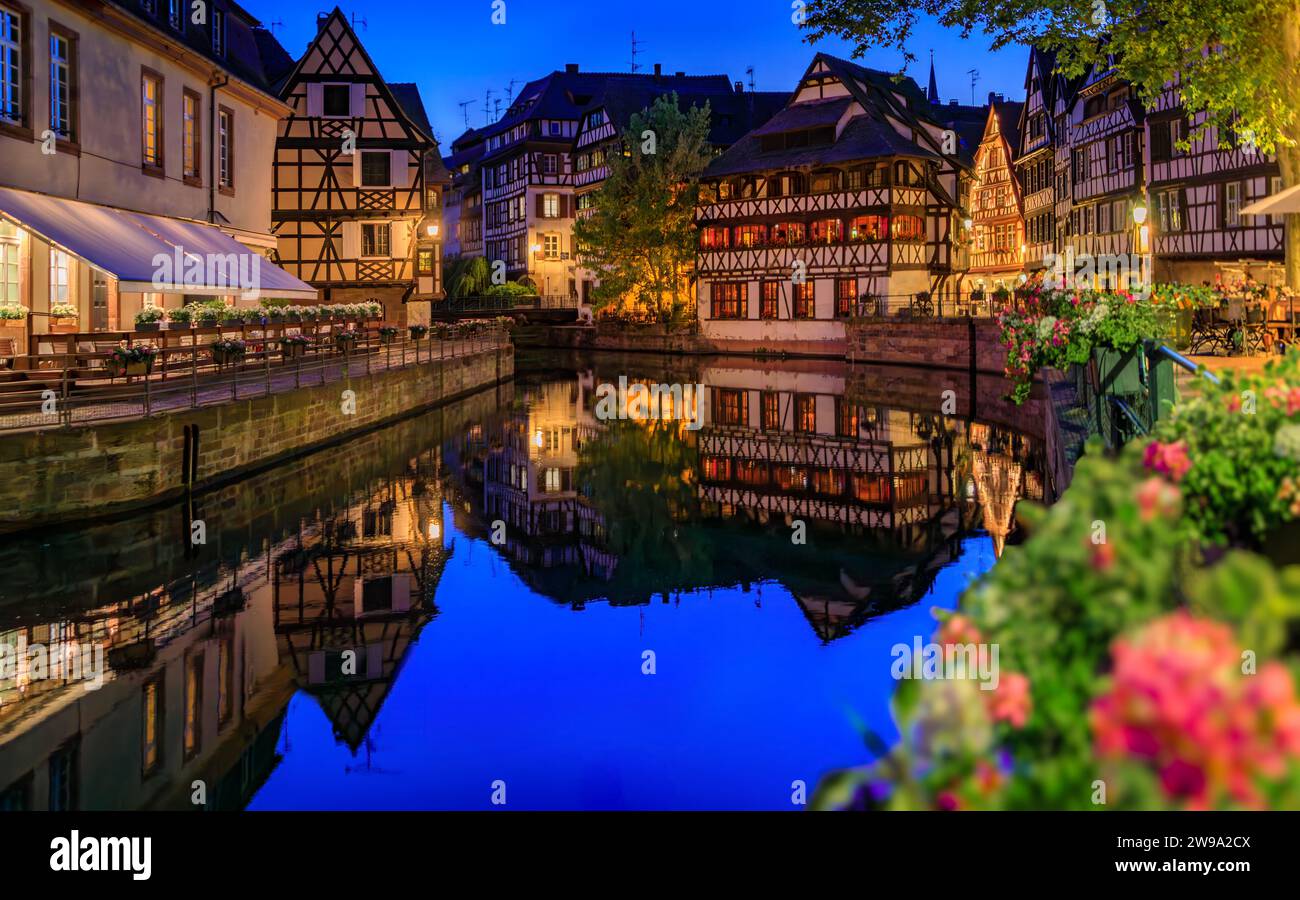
[
  {"x": 997, "y": 252},
  {"x": 188, "y": 142},
  {"x": 843, "y": 202},
  {"x": 355, "y": 213}
]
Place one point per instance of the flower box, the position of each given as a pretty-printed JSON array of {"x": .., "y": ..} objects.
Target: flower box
[
  {"x": 117, "y": 368},
  {"x": 419, "y": 332},
  {"x": 63, "y": 325},
  {"x": 148, "y": 326},
  {"x": 226, "y": 357},
  {"x": 1119, "y": 372},
  {"x": 292, "y": 350}
]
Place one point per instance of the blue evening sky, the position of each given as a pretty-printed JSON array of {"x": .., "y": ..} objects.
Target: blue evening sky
[{"x": 454, "y": 52}]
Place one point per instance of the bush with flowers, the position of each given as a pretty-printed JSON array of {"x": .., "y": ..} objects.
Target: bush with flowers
[
  {"x": 1137, "y": 652},
  {"x": 1056, "y": 328}
]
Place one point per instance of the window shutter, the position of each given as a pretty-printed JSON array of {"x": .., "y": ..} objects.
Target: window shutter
[
  {"x": 401, "y": 169},
  {"x": 351, "y": 240},
  {"x": 541, "y": 206},
  {"x": 356, "y": 167},
  {"x": 315, "y": 100},
  {"x": 401, "y": 239},
  {"x": 1223, "y": 205},
  {"x": 358, "y": 104},
  {"x": 565, "y": 204}
]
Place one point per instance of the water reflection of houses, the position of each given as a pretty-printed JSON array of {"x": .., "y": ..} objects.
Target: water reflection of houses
[
  {"x": 349, "y": 600},
  {"x": 882, "y": 491},
  {"x": 199, "y": 670}
]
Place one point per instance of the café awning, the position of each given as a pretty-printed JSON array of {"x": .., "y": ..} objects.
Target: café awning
[
  {"x": 148, "y": 253},
  {"x": 1287, "y": 201}
]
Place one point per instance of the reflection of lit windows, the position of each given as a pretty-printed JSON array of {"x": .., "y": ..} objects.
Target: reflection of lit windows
[
  {"x": 805, "y": 413},
  {"x": 729, "y": 407},
  {"x": 225, "y": 680},
  {"x": 771, "y": 410},
  {"x": 152, "y": 714},
  {"x": 63, "y": 778},
  {"x": 193, "y": 704},
  {"x": 552, "y": 480},
  {"x": 717, "y": 468}
]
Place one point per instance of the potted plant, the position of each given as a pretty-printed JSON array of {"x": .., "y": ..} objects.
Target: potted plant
[
  {"x": 134, "y": 360},
  {"x": 387, "y": 334},
  {"x": 233, "y": 315},
  {"x": 227, "y": 350},
  {"x": 206, "y": 316},
  {"x": 180, "y": 317},
  {"x": 12, "y": 316},
  {"x": 64, "y": 317},
  {"x": 419, "y": 332},
  {"x": 346, "y": 340},
  {"x": 149, "y": 319},
  {"x": 293, "y": 346}
]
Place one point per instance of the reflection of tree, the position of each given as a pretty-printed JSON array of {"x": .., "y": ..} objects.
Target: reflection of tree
[{"x": 640, "y": 477}]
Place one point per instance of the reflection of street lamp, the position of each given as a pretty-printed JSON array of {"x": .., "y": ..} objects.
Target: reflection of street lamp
[{"x": 433, "y": 231}]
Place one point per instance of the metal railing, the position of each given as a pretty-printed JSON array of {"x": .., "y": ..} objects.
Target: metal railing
[
  {"x": 190, "y": 376},
  {"x": 505, "y": 304}
]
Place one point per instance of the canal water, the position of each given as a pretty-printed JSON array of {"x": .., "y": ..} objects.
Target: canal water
[{"x": 518, "y": 600}]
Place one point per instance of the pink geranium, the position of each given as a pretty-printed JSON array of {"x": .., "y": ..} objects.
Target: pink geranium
[
  {"x": 1170, "y": 460},
  {"x": 1180, "y": 703}
]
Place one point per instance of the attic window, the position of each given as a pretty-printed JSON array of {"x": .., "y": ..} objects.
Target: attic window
[{"x": 793, "y": 140}]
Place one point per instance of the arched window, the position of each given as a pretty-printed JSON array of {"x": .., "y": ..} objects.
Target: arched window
[
  {"x": 908, "y": 228},
  {"x": 869, "y": 228}
]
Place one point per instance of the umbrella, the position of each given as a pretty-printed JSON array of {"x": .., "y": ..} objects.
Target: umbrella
[{"x": 1287, "y": 201}]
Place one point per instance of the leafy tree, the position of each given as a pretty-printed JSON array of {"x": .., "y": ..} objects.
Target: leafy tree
[
  {"x": 468, "y": 276},
  {"x": 639, "y": 238},
  {"x": 1248, "y": 84}
]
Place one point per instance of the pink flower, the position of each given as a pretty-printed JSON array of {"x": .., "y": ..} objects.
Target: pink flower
[
  {"x": 1011, "y": 702},
  {"x": 1170, "y": 460},
  {"x": 1179, "y": 702},
  {"x": 1156, "y": 497}
]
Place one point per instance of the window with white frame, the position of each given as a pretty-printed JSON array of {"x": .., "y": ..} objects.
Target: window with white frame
[
  {"x": 551, "y": 206},
  {"x": 376, "y": 239},
  {"x": 11, "y": 65},
  {"x": 225, "y": 148},
  {"x": 61, "y": 86},
  {"x": 219, "y": 32},
  {"x": 9, "y": 242},
  {"x": 551, "y": 246},
  {"x": 1232, "y": 204},
  {"x": 59, "y": 292}
]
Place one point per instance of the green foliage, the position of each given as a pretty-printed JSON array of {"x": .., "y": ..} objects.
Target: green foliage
[
  {"x": 12, "y": 313},
  {"x": 511, "y": 289},
  {"x": 1249, "y": 87},
  {"x": 1241, "y": 438},
  {"x": 640, "y": 235},
  {"x": 149, "y": 315},
  {"x": 468, "y": 276}
]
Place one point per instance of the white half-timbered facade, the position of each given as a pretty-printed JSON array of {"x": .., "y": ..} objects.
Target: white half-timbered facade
[
  {"x": 1196, "y": 194},
  {"x": 842, "y": 204},
  {"x": 351, "y": 209},
  {"x": 1035, "y": 164}
]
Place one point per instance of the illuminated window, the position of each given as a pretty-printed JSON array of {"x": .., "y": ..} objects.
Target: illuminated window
[
  {"x": 375, "y": 239},
  {"x": 152, "y": 702},
  {"x": 805, "y": 413},
  {"x": 750, "y": 235},
  {"x": 803, "y": 301},
  {"x": 770, "y": 303},
  {"x": 8, "y": 264},
  {"x": 11, "y": 65},
  {"x": 59, "y": 283},
  {"x": 730, "y": 300},
  {"x": 729, "y": 407},
  {"x": 771, "y": 402},
  {"x": 226, "y": 149},
  {"x": 151, "y": 119},
  {"x": 190, "y": 124},
  {"x": 193, "y": 737},
  {"x": 61, "y": 73},
  {"x": 846, "y": 296}
]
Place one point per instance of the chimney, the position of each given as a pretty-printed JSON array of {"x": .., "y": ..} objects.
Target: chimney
[
  {"x": 659, "y": 70},
  {"x": 681, "y": 74},
  {"x": 321, "y": 19},
  {"x": 953, "y": 103},
  {"x": 571, "y": 68},
  {"x": 740, "y": 87}
]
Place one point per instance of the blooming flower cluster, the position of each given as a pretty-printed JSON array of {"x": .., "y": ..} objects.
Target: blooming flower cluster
[
  {"x": 1179, "y": 703},
  {"x": 1170, "y": 459},
  {"x": 1010, "y": 702}
]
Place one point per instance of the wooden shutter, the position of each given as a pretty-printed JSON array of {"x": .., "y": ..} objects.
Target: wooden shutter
[
  {"x": 315, "y": 100},
  {"x": 401, "y": 169},
  {"x": 566, "y": 206},
  {"x": 356, "y": 168},
  {"x": 358, "y": 101},
  {"x": 401, "y": 238},
  {"x": 351, "y": 248},
  {"x": 541, "y": 206}
]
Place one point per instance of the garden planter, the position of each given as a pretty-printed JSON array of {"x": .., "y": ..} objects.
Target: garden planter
[
  {"x": 148, "y": 326},
  {"x": 292, "y": 351},
  {"x": 1118, "y": 371},
  {"x": 226, "y": 357},
  {"x": 418, "y": 334},
  {"x": 64, "y": 325},
  {"x": 345, "y": 345},
  {"x": 116, "y": 368}
]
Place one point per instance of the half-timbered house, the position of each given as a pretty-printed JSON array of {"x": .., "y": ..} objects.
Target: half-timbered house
[
  {"x": 1035, "y": 159},
  {"x": 1198, "y": 184},
  {"x": 996, "y": 209},
  {"x": 352, "y": 208},
  {"x": 843, "y": 202},
  {"x": 1106, "y": 124},
  {"x": 463, "y": 213}
]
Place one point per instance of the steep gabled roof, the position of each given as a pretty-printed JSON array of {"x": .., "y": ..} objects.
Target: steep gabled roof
[
  {"x": 1008, "y": 116},
  {"x": 863, "y": 138},
  {"x": 408, "y": 98}
]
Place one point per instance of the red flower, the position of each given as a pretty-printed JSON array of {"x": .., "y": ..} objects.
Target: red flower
[{"x": 1170, "y": 460}]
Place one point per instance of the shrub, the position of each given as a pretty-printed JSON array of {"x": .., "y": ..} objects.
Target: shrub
[
  {"x": 149, "y": 315},
  {"x": 63, "y": 310},
  {"x": 181, "y": 315}
]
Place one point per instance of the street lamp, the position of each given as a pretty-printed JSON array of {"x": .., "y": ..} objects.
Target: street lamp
[
  {"x": 1139, "y": 213},
  {"x": 433, "y": 231}
]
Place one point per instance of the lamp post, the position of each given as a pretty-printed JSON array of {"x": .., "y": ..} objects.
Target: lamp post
[{"x": 1142, "y": 237}]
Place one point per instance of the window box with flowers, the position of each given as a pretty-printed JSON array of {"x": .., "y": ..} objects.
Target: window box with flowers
[
  {"x": 419, "y": 332},
  {"x": 63, "y": 318},
  {"x": 227, "y": 351},
  {"x": 346, "y": 341},
  {"x": 131, "y": 361},
  {"x": 181, "y": 317},
  {"x": 293, "y": 346},
  {"x": 149, "y": 319},
  {"x": 387, "y": 334},
  {"x": 13, "y": 316}
]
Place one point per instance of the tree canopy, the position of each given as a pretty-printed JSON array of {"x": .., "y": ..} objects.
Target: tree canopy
[
  {"x": 1236, "y": 60},
  {"x": 639, "y": 236}
]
